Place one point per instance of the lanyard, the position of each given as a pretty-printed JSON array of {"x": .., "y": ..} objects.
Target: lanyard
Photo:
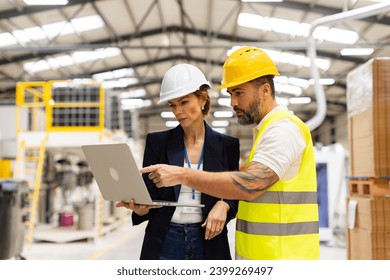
[{"x": 189, "y": 164}]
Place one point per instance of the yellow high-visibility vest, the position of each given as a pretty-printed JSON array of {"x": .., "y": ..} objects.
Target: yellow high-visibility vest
[{"x": 282, "y": 223}]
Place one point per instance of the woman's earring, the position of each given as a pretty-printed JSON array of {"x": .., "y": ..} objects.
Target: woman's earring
[{"x": 202, "y": 107}]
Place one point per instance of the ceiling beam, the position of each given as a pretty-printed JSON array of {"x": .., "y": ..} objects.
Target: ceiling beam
[
  {"x": 293, "y": 5},
  {"x": 157, "y": 80},
  {"x": 42, "y": 51}
]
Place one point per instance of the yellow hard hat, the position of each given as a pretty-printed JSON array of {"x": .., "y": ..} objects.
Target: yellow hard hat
[{"x": 246, "y": 64}]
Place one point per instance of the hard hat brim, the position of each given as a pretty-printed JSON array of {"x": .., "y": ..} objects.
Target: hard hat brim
[{"x": 181, "y": 93}]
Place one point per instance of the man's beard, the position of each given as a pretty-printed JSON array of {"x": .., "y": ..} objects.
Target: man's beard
[{"x": 253, "y": 115}]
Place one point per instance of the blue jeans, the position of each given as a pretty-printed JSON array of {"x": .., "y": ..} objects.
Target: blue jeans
[{"x": 183, "y": 242}]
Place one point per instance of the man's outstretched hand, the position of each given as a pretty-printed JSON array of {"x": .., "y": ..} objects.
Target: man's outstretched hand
[{"x": 164, "y": 175}]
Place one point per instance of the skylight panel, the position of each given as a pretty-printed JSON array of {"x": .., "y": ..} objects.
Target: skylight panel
[
  {"x": 29, "y": 34},
  {"x": 55, "y": 29},
  {"x": 6, "y": 39},
  {"x": 36, "y": 66},
  {"x": 116, "y": 74},
  {"x": 51, "y": 30},
  {"x": 65, "y": 60},
  {"x": 87, "y": 23},
  {"x": 253, "y": 21},
  {"x": 295, "y": 28},
  {"x": 60, "y": 61}
]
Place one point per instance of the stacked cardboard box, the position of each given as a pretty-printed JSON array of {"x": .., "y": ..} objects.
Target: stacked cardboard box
[
  {"x": 368, "y": 103},
  {"x": 368, "y": 237},
  {"x": 368, "y": 204}
]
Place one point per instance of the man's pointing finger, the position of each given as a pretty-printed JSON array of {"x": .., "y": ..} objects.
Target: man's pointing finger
[{"x": 148, "y": 169}]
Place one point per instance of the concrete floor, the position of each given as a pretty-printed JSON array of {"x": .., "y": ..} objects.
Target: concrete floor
[{"x": 124, "y": 243}]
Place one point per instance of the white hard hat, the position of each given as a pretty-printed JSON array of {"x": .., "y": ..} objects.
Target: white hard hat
[{"x": 180, "y": 80}]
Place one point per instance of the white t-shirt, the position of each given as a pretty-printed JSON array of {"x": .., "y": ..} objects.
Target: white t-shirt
[
  {"x": 280, "y": 147},
  {"x": 188, "y": 215}
]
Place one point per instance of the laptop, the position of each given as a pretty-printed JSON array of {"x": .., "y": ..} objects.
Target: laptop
[{"x": 117, "y": 175}]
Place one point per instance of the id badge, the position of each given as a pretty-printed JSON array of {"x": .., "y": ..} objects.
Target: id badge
[{"x": 192, "y": 210}]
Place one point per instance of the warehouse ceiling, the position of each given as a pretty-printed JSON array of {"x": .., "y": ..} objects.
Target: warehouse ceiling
[{"x": 129, "y": 44}]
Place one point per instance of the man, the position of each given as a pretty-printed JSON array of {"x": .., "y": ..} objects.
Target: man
[{"x": 278, "y": 211}]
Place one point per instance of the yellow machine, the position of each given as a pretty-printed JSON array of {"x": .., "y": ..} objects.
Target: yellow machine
[{"x": 54, "y": 114}]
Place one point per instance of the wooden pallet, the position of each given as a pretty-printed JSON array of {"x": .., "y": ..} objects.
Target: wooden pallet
[{"x": 369, "y": 187}]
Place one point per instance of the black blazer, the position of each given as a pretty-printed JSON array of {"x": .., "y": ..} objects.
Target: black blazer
[{"x": 221, "y": 153}]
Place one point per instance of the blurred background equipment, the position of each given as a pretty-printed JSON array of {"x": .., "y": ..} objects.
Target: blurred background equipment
[{"x": 13, "y": 216}]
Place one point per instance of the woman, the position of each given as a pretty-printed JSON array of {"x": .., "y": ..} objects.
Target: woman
[{"x": 187, "y": 232}]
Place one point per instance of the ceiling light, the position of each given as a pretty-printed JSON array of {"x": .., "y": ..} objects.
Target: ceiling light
[
  {"x": 224, "y": 92},
  {"x": 171, "y": 123},
  {"x": 220, "y": 123},
  {"x": 297, "y": 59},
  {"x": 121, "y": 83},
  {"x": 233, "y": 49},
  {"x": 357, "y": 51},
  {"x": 289, "y": 89},
  {"x": 336, "y": 35},
  {"x": 45, "y": 2},
  {"x": 136, "y": 103},
  {"x": 327, "y": 82},
  {"x": 220, "y": 129},
  {"x": 300, "y": 100},
  {"x": 281, "y": 100},
  {"x": 167, "y": 115},
  {"x": 136, "y": 93},
  {"x": 287, "y": 26},
  {"x": 303, "y": 83},
  {"x": 223, "y": 114},
  {"x": 224, "y": 102},
  {"x": 324, "y": 81}
]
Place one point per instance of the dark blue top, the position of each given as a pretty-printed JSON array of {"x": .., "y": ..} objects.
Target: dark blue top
[{"x": 221, "y": 153}]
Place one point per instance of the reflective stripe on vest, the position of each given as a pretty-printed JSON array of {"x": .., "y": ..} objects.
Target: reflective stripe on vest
[{"x": 283, "y": 222}]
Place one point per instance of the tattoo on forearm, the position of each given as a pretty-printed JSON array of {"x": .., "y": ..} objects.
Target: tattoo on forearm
[{"x": 259, "y": 175}]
